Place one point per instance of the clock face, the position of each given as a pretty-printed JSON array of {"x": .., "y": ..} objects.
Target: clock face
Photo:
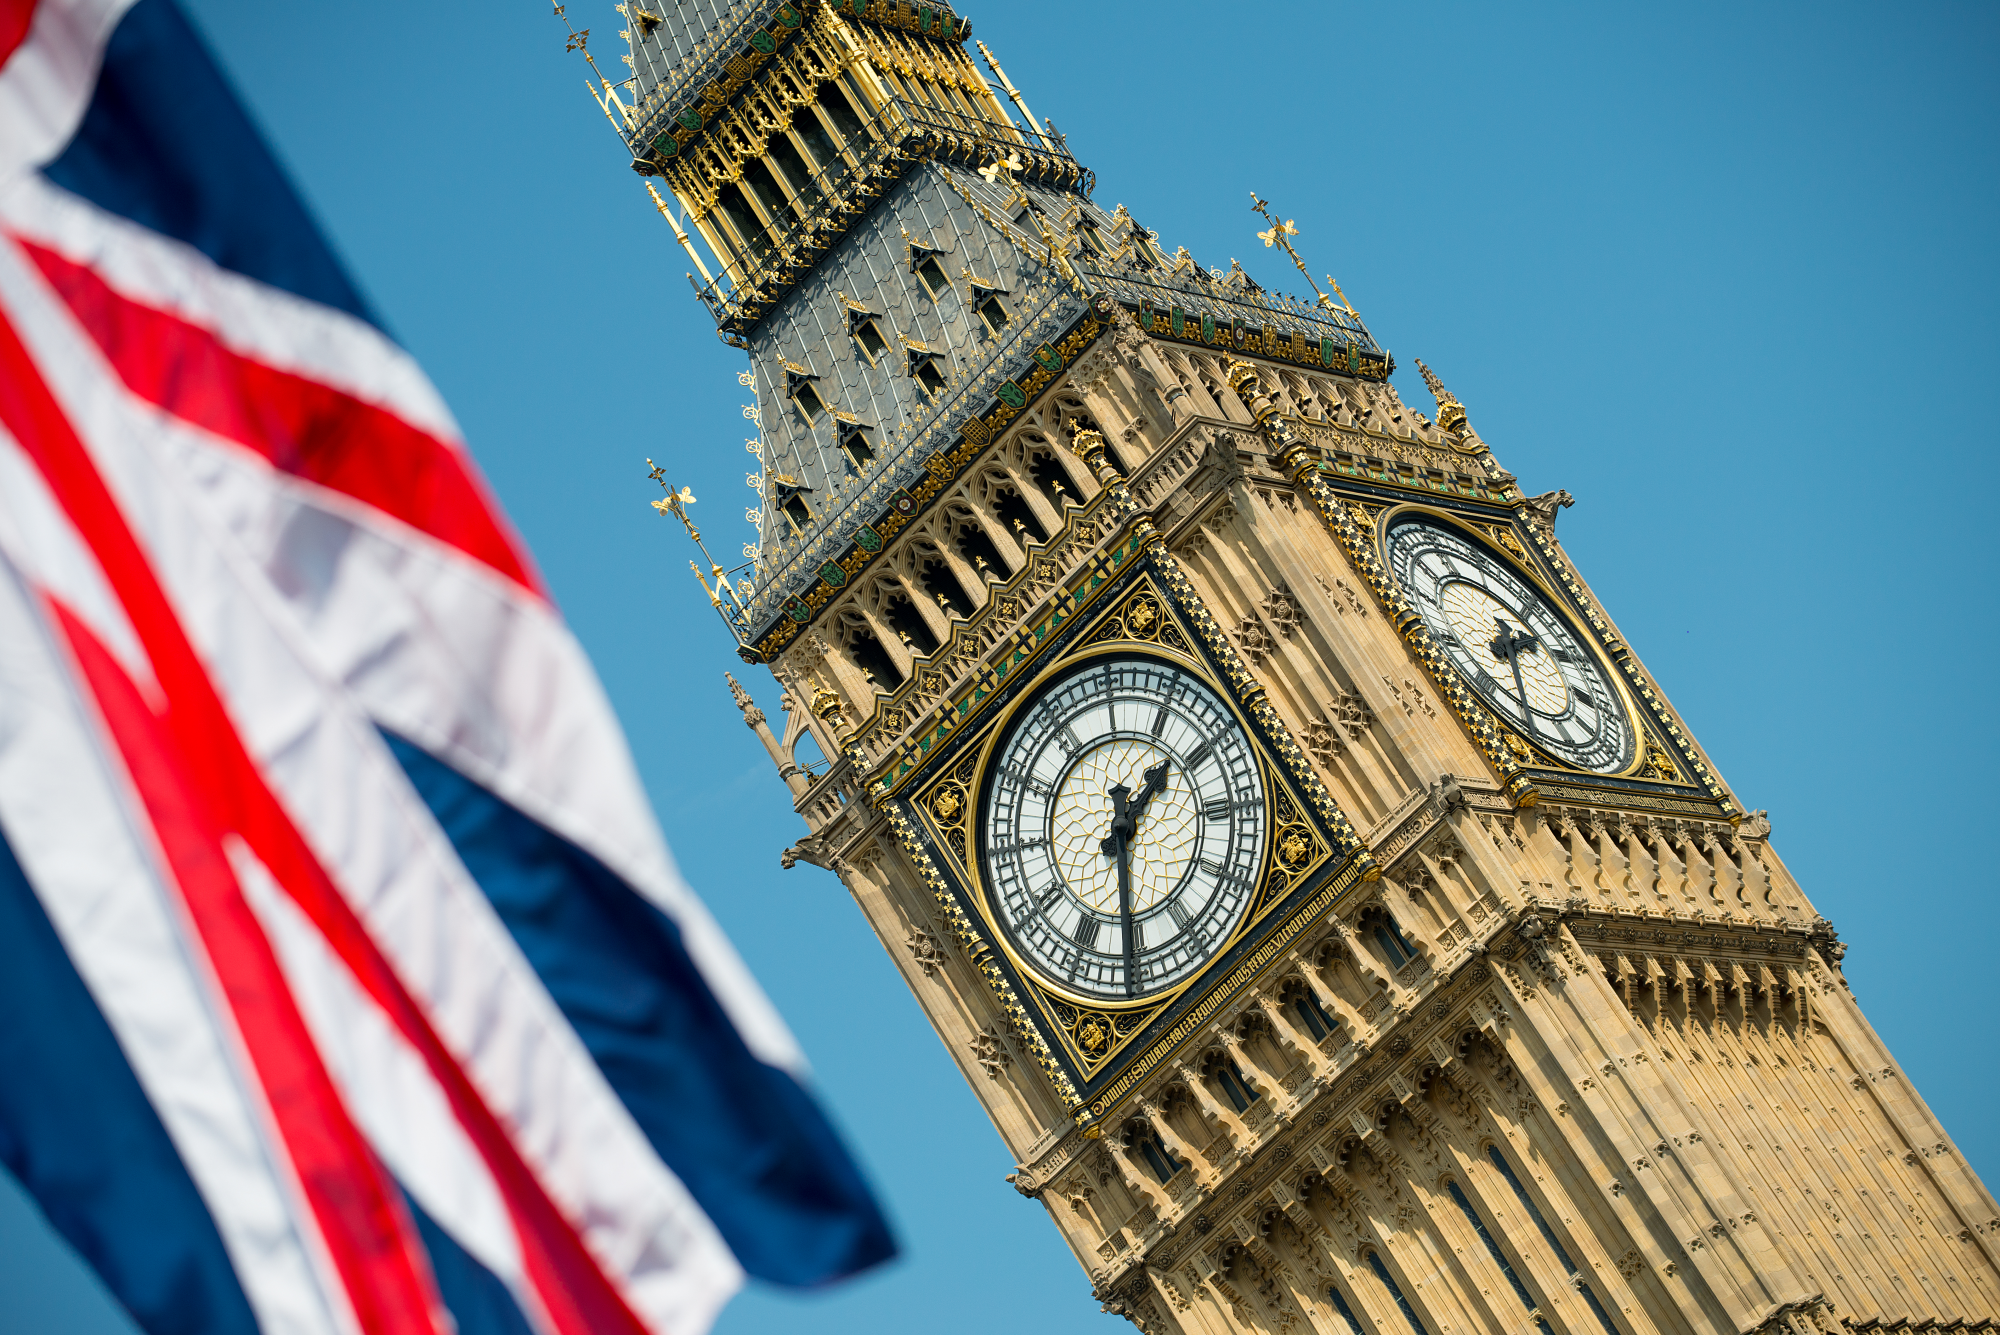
[
  {"x": 1122, "y": 828},
  {"x": 1512, "y": 646}
]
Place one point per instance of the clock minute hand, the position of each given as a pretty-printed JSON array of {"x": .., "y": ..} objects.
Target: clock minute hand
[
  {"x": 1118, "y": 844},
  {"x": 1510, "y": 644}
]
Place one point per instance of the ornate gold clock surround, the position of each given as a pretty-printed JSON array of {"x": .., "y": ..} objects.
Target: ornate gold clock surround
[
  {"x": 1499, "y": 540},
  {"x": 1102, "y": 1049}
]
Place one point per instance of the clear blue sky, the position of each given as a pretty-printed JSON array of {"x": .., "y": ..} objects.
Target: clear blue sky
[{"x": 1726, "y": 272}]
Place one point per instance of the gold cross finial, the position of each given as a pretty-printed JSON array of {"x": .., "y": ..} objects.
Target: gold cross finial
[{"x": 1280, "y": 234}]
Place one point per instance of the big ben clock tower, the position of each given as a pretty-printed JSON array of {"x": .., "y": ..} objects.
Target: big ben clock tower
[{"x": 1341, "y": 927}]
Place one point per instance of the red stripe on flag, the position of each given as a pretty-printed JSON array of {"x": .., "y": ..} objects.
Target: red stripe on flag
[
  {"x": 15, "y": 16},
  {"x": 355, "y": 1203},
  {"x": 220, "y": 779},
  {"x": 366, "y": 1232},
  {"x": 301, "y": 426}
]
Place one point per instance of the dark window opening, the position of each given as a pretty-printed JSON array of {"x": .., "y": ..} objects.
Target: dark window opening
[
  {"x": 1317, "y": 1022},
  {"x": 796, "y": 512},
  {"x": 1229, "y": 1078},
  {"x": 820, "y": 148},
  {"x": 932, "y": 277},
  {"x": 809, "y": 401},
  {"x": 1088, "y": 233},
  {"x": 1394, "y": 944},
  {"x": 929, "y": 377},
  {"x": 854, "y": 444},
  {"x": 993, "y": 315},
  {"x": 1048, "y": 477},
  {"x": 841, "y": 112},
  {"x": 869, "y": 336},
  {"x": 943, "y": 587},
  {"x": 1016, "y": 514},
  {"x": 765, "y": 187},
  {"x": 977, "y": 548},
  {"x": 797, "y": 173},
  {"x": 729, "y": 200},
  {"x": 908, "y": 622},
  {"x": 1499, "y": 1257},
  {"x": 1549, "y": 1236},
  {"x": 874, "y": 661},
  {"x": 1396, "y": 1292},
  {"x": 1346, "y": 1312},
  {"x": 1159, "y": 1159}
]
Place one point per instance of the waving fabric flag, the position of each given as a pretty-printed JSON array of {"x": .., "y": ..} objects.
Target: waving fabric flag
[{"x": 346, "y": 983}]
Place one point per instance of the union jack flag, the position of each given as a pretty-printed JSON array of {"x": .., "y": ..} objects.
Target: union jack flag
[{"x": 346, "y": 982}]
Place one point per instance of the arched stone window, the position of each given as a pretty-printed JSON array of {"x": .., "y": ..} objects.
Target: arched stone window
[
  {"x": 1150, "y": 1150},
  {"x": 1221, "y": 1071},
  {"x": 873, "y": 660},
  {"x": 904, "y": 618},
  {"x": 1303, "y": 1002}
]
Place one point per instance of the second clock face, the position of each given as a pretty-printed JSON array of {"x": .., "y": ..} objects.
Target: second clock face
[
  {"x": 1122, "y": 828},
  {"x": 1511, "y": 645}
]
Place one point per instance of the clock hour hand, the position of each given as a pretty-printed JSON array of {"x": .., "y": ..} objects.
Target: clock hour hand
[
  {"x": 1125, "y": 813},
  {"x": 1122, "y": 824},
  {"x": 1156, "y": 783}
]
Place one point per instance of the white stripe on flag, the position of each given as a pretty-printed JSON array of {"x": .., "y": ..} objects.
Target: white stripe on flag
[
  {"x": 67, "y": 821},
  {"x": 259, "y": 321},
  {"x": 41, "y": 540},
  {"x": 355, "y": 807},
  {"x": 385, "y": 1084},
  {"x": 438, "y": 648},
  {"x": 47, "y": 84}
]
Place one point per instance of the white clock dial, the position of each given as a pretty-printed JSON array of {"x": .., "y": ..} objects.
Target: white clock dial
[
  {"x": 1511, "y": 645},
  {"x": 1120, "y": 908}
]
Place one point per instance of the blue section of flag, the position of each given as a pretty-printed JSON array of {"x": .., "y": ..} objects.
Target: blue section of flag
[
  {"x": 478, "y": 1302},
  {"x": 77, "y": 1131},
  {"x": 750, "y": 1144},
  {"x": 166, "y": 144}
]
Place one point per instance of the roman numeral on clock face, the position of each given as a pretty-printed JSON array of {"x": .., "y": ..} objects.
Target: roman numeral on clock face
[
  {"x": 1085, "y": 934},
  {"x": 1216, "y": 808}
]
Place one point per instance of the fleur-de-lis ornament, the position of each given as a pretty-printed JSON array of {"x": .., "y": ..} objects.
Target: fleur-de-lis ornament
[
  {"x": 1000, "y": 168},
  {"x": 675, "y": 502},
  {"x": 1270, "y": 238}
]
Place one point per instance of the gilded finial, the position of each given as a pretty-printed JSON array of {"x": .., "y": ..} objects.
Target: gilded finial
[
  {"x": 675, "y": 503},
  {"x": 1451, "y": 413},
  {"x": 826, "y": 707},
  {"x": 1281, "y": 234},
  {"x": 1013, "y": 93}
]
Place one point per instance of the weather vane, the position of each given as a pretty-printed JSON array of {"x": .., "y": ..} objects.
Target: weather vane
[{"x": 1279, "y": 235}]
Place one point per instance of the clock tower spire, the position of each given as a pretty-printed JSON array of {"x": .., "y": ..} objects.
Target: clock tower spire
[{"x": 1341, "y": 926}]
